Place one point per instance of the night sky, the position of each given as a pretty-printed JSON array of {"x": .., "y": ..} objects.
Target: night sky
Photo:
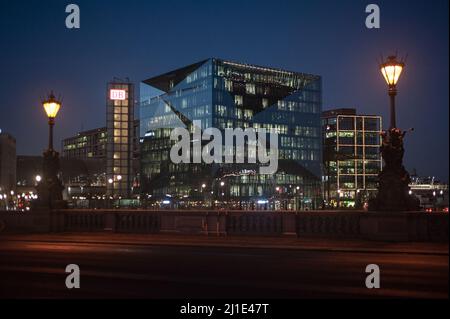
[{"x": 140, "y": 39}]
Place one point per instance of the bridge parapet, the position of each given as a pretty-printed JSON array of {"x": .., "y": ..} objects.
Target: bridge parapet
[{"x": 382, "y": 226}]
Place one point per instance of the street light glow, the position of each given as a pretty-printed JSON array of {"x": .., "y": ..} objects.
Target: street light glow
[
  {"x": 51, "y": 106},
  {"x": 38, "y": 178},
  {"x": 391, "y": 70}
]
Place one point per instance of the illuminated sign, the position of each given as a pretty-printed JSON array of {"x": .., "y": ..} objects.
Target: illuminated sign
[{"x": 117, "y": 95}]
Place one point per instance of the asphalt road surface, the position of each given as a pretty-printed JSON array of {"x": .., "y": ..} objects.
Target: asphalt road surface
[{"x": 36, "y": 269}]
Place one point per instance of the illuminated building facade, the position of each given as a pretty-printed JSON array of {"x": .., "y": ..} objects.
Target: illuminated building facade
[
  {"x": 432, "y": 194},
  {"x": 86, "y": 144},
  {"x": 120, "y": 137},
  {"x": 351, "y": 154},
  {"x": 92, "y": 144},
  {"x": 224, "y": 94},
  {"x": 7, "y": 163}
]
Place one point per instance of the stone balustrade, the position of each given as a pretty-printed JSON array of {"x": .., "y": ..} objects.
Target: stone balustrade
[{"x": 383, "y": 226}]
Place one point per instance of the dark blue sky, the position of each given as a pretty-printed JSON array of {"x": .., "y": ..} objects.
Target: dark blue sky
[{"x": 139, "y": 39}]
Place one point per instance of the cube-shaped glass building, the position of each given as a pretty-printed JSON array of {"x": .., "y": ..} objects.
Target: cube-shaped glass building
[{"x": 224, "y": 94}]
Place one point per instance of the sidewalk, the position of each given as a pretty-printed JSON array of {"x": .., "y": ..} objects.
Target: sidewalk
[{"x": 312, "y": 244}]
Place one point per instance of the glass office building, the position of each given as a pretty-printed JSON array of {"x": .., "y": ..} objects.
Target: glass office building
[
  {"x": 224, "y": 94},
  {"x": 352, "y": 158}
]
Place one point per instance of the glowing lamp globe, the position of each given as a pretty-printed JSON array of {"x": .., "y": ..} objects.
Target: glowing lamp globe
[
  {"x": 391, "y": 70},
  {"x": 51, "y": 106}
]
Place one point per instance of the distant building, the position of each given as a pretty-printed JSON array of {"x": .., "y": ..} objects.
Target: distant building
[
  {"x": 81, "y": 177},
  {"x": 351, "y": 156},
  {"x": 116, "y": 145},
  {"x": 432, "y": 193},
  {"x": 7, "y": 163},
  {"x": 92, "y": 144},
  {"x": 86, "y": 144},
  {"x": 120, "y": 138}
]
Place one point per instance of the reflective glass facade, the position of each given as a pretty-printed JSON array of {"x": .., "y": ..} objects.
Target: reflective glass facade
[{"x": 224, "y": 94}]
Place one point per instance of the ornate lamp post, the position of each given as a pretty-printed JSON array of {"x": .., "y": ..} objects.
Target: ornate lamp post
[
  {"x": 51, "y": 107},
  {"x": 393, "y": 190},
  {"x": 49, "y": 186},
  {"x": 391, "y": 70}
]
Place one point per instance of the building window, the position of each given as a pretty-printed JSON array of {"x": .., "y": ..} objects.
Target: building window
[
  {"x": 238, "y": 100},
  {"x": 250, "y": 88},
  {"x": 228, "y": 85}
]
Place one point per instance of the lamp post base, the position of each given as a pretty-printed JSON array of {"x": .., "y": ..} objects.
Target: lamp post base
[
  {"x": 393, "y": 191},
  {"x": 50, "y": 189}
]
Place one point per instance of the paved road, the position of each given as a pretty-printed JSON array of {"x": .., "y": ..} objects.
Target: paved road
[{"x": 36, "y": 269}]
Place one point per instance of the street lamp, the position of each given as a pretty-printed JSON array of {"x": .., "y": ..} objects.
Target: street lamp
[
  {"x": 49, "y": 186},
  {"x": 391, "y": 70},
  {"x": 393, "y": 186},
  {"x": 51, "y": 107}
]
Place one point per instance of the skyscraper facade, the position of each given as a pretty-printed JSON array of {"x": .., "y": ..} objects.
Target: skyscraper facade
[
  {"x": 224, "y": 94},
  {"x": 352, "y": 158},
  {"x": 120, "y": 137}
]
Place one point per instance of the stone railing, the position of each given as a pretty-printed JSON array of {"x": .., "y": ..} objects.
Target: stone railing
[
  {"x": 384, "y": 226},
  {"x": 330, "y": 224},
  {"x": 132, "y": 222},
  {"x": 83, "y": 222},
  {"x": 255, "y": 223}
]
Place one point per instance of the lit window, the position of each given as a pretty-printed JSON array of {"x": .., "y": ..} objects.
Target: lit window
[
  {"x": 228, "y": 85},
  {"x": 250, "y": 88},
  {"x": 238, "y": 100}
]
